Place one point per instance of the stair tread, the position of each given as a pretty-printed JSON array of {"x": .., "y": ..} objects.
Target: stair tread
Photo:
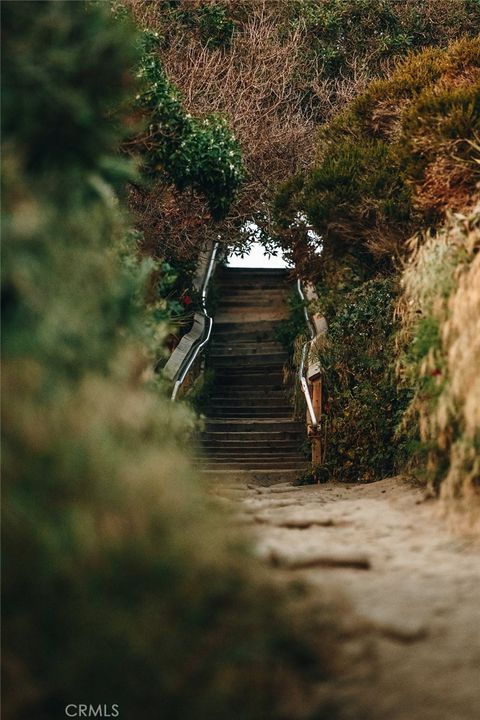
[{"x": 250, "y": 425}]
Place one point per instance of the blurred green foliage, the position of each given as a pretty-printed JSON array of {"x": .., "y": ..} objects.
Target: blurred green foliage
[
  {"x": 120, "y": 582},
  {"x": 66, "y": 300},
  {"x": 357, "y": 358}
]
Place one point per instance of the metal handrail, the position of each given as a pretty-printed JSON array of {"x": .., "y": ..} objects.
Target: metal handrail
[
  {"x": 301, "y": 369},
  {"x": 190, "y": 359}
]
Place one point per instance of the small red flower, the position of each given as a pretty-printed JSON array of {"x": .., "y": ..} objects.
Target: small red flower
[
  {"x": 187, "y": 300},
  {"x": 435, "y": 372}
]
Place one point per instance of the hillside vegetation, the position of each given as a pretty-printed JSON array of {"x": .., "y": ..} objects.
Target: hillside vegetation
[
  {"x": 274, "y": 71},
  {"x": 395, "y": 159},
  {"x": 401, "y": 160},
  {"x": 439, "y": 309}
]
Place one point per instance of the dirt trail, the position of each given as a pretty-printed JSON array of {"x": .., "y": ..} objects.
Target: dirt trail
[{"x": 412, "y": 588}]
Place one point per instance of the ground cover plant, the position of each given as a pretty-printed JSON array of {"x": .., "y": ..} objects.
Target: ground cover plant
[{"x": 120, "y": 582}]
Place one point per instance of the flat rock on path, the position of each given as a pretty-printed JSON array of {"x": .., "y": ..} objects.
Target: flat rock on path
[{"x": 413, "y": 587}]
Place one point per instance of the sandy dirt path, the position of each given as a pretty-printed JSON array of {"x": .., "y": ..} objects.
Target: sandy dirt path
[{"x": 411, "y": 589}]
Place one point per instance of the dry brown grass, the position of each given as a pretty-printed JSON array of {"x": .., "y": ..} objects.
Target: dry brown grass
[
  {"x": 172, "y": 222},
  {"x": 460, "y": 400},
  {"x": 447, "y": 185},
  {"x": 441, "y": 285}
]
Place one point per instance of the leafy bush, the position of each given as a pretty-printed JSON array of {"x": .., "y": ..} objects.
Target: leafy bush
[
  {"x": 120, "y": 583},
  {"x": 287, "y": 330},
  {"x": 396, "y": 158},
  {"x": 362, "y": 403},
  {"x": 216, "y": 26},
  {"x": 439, "y": 339},
  {"x": 368, "y": 33},
  {"x": 200, "y": 153}
]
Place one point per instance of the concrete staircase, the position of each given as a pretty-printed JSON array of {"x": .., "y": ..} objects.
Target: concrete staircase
[{"x": 250, "y": 426}]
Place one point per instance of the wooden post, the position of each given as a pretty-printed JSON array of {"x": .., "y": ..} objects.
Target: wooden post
[{"x": 317, "y": 407}]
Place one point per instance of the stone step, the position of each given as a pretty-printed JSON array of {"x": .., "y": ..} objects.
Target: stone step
[
  {"x": 241, "y": 316},
  {"x": 275, "y": 436},
  {"x": 260, "y": 465},
  {"x": 255, "y": 273},
  {"x": 226, "y": 348},
  {"x": 249, "y": 349},
  {"x": 250, "y": 406},
  {"x": 249, "y": 382},
  {"x": 233, "y": 353},
  {"x": 255, "y": 291},
  {"x": 282, "y": 292},
  {"x": 243, "y": 337},
  {"x": 235, "y": 369},
  {"x": 273, "y": 361},
  {"x": 252, "y": 425},
  {"x": 263, "y": 414},
  {"x": 249, "y": 369},
  {"x": 246, "y": 400},
  {"x": 264, "y": 298},
  {"x": 252, "y": 304},
  {"x": 246, "y": 449},
  {"x": 245, "y": 392},
  {"x": 274, "y": 381},
  {"x": 246, "y": 337},
  {"x": 256, "y": 448},
  {"x": 259, "y": 326},
  {"x": 256, "y": 457},
  {"x": 247, "y": 403},
  {"x": 263, "y": 478}
]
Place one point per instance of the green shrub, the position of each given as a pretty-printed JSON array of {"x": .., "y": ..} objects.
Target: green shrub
[
  {"x": 362, "y": 405},
  {"x": 376, "y": 31},
  {"x": 199, "y": 153},
  {"x": 287, "y": 331},
  {"x": 216, "y": 25},
  {"x": 396, "y": 158},
  {"x": 121, "y": 584}
]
